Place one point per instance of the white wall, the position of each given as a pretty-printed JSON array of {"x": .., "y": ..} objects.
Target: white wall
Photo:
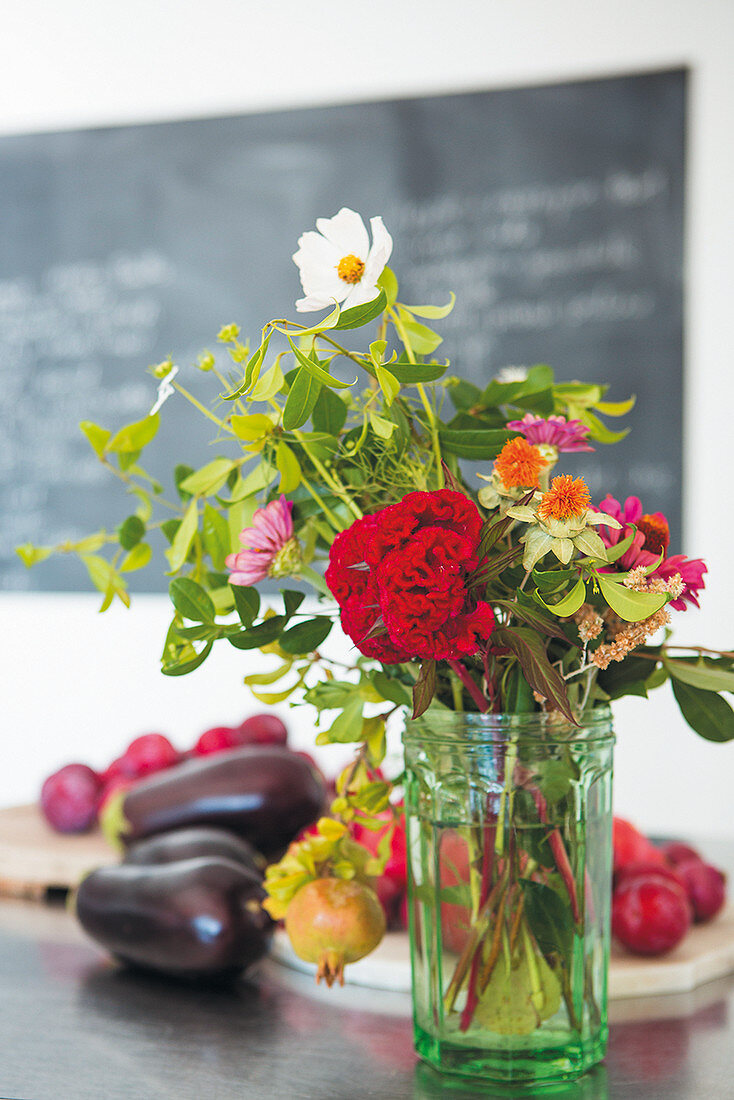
[{"x": 77, "y": 685}]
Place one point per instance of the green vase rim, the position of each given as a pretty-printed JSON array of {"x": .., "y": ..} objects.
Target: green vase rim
[{"x": 444, "y": 726}]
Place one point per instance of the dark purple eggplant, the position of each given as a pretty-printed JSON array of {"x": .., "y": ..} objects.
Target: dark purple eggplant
[
  {"x": 198, "y": 918},
  {"x": 265, "y": 794},
  {"x": 199, "y": 840}
]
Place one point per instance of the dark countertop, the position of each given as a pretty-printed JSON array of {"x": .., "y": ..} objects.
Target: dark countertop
[{"x": 72, "y": 1025}]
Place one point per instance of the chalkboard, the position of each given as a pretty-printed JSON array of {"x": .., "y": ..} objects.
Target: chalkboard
[{"x": 555, "y": 213}]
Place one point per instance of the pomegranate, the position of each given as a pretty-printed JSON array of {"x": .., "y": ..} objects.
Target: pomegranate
[
  {"x": 650, "y": 914},
  {"x": 69, "y": 798},
  {"x": 332, "y": 922},
  {"x": 706, "y": 887}
]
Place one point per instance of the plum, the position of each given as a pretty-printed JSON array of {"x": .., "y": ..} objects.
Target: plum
[
  {"x": 70, "y": 797},
  {"x": 650, "y": 914},
  {"x": 145, "y": 755},
  {"x": 263, "y": 729},
  {"x": 217, "y": 739},
  {"x": 706, "y": 887},
  {"x": 632, "y": 846},
  {"x": 676, "y": 852}
]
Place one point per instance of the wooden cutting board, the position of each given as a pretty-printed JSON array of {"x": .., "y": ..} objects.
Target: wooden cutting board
[{"x": 35, "y": 861}]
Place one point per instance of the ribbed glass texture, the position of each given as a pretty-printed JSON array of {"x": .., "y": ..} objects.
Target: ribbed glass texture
[{"x": 509, "y": 844}]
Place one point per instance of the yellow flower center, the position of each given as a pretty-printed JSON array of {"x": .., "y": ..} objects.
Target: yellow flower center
[
  {"x": 566, "y": 498},
  {"x": 350, "y": 268}
]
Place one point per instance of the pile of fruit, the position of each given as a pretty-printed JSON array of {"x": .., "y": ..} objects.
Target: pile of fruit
[
  {"x": 659, "y": 891},
  {"x": 75, "y": 795}
]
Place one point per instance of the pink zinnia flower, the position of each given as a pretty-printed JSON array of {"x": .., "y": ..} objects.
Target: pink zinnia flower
[
  {"x": 565, "y": 435},
  {"x": 651, "y": 539},
  {"x": 269, "y": 548},
  {"x": 691, "y": 573},
  {"x": 610, "y": 536}
]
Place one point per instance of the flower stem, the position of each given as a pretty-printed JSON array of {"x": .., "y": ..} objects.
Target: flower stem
[
  {"x": 308, "y": 574},
  {"x": 202, "y": 408},
  {"x": 336, "y": 487},
  {"x": 474, "y": 690},
  {"x": 432, "y": 420}
]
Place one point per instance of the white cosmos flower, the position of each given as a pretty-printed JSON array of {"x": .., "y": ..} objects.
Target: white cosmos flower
[{"x": 337, "y": 264}]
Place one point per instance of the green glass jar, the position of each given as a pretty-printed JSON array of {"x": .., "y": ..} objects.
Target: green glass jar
[{"x": 509, "y": 825}]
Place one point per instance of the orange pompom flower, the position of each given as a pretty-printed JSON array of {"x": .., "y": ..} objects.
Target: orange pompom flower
[
  {"x": 567, "y": 498},
  {"x": 519, "y": 464}
]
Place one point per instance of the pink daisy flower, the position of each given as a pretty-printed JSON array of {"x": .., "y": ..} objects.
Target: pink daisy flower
[
  {"x": 610, "y": 536},
  {"x": 269, "y": 548},
  {"x": 565, "y": 435},
  {"x": 691, "y": 573}
]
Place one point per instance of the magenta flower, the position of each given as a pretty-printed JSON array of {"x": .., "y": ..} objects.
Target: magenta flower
[
  {"x": 269, "y": 548},
  {"x": 610, "y": 536},
  {"x": 565, "y": 435},
  {"x": 651, "y": 539},
  {"x": 691, "y": 573}
]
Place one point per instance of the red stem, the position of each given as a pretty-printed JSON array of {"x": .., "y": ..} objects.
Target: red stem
[
  {"x": 473, "y": 688},
  {"x": 557, "y": 847}
]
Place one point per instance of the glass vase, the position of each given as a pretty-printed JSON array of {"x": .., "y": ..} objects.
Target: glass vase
[{"x": 509, "y": 859}]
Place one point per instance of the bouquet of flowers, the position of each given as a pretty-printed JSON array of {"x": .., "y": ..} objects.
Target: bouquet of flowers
[{"x": 509, "y": 593}]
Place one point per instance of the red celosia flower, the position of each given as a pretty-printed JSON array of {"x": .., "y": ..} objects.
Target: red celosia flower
[{"x": 399, "y": 577}]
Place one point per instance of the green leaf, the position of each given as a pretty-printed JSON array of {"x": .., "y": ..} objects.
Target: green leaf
[
  {"x": 570, "y": 603},
  {"x": 627, "y": 677},
  {"x": 266, "y": 387},
  {"x": 259, "y": 478},
  {"x": 191, "y": 600},
  {"x": 616, "y": 408},
  {"x": 332, "y": 694},
  {"x": 329, "y": 413},
  {"x": 307, "y": 636},
  {"x": 251, "y": 427},
  {"x": 433, "y": 313},
  {"x": 423, "y": 340},
  {"x": 630, "y": 605},
  {"x": 347, "y": 727},
  {"x": 288, "y": 467},
  {"x": 303, "y": 395},
  {"x": 478, "y": 444},
  {"x": 388, "y": 384},
  {"x": 180, "y": 473},
  {"x": 175, "y": 669},
  {"x": 31, "y": 555},
  {"x": 138, "y": 558},
  {"x": 362, "y": 315},
  {"x": 381, "y": 427},
  {"x": 424, "y": 688},
  {"x": 145, "y": 509},
  {"x": 313, "y": 366},
  {"x": 210, "y": 478},
  {"x": 292, "y": 600},
  {"x": 262, "y": 634},
  {"x": 215, "y": 533},
  {"x": 549, "y": 916},
  {"x": 179, "y": 549},
  {"x": 705, "y": 711},
  {"x": 614, "y": 553},
  {"x": 252, "y": 370},
  {"x": 699, "y": 675},
  {"x": 539, "y": 672},
  {"x": 388, "y": 282},
  {"x": 133, "y": 437},
  {"x": 130, "y": 532},
  {"x": 599, "y": 431},
  {"x": 391, "y": 690},
  {"x": 97, "y": 436},
  {"x": 246, "y": 602},
  {"x": 406, "y": 372}
]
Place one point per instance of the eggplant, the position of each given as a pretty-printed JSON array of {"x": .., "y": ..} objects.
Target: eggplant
[
  {"x": 198, "y": 918},
  {"x": 196, "y": 841},
  {"x": 266, "y": 794}
]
